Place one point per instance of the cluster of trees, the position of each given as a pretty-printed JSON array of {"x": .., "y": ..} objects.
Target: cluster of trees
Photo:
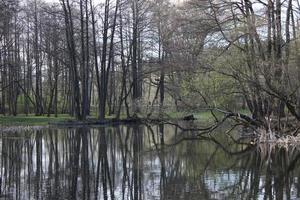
[
  {"x": 77, "y": 57},
  {"x": 250, "y": 58},
  {"x": 130, "y": 57},
  {"x": 261, "y": 54}
]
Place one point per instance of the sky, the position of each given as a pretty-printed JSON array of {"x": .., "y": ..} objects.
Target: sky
[
  {"x": 71, "y": 0},
  {"x": 56, "y": 1}
]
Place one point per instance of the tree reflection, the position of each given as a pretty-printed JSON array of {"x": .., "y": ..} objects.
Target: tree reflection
[{"x": 142, "y": 162}]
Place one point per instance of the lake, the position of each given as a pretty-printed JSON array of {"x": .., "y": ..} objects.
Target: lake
[{"x": 143, "y": 162}]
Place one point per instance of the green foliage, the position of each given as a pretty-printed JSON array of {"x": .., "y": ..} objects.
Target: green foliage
[
  {"x": 215, "y": 88},
  {"x": 213, "y": 82}
]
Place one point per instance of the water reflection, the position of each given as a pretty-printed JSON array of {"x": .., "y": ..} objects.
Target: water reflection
[{"x": 142, "y": 162}]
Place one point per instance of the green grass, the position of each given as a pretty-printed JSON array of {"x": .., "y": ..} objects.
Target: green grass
[{"x": 31, "y": 120}]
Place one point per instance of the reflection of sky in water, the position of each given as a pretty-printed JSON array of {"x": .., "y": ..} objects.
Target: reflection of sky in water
[
  {"x": 223, "y": 183},
  {"x": 192, "y": 169}
]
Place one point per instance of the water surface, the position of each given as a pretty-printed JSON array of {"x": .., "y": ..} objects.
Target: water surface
[{"x": 142, "y": 162}]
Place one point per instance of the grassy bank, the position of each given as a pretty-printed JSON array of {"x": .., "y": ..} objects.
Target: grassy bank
[{"x": 31, "y": 120}]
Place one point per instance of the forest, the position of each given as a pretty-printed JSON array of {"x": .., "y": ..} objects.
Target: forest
[
  {"x": 148, "y": 58},
  {"x": 149, "y": 99}
]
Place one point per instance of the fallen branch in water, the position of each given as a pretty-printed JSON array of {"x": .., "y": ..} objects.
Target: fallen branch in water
[
  {"x": 241, "y": 119},
  {"x": 264, "y": 131}
]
